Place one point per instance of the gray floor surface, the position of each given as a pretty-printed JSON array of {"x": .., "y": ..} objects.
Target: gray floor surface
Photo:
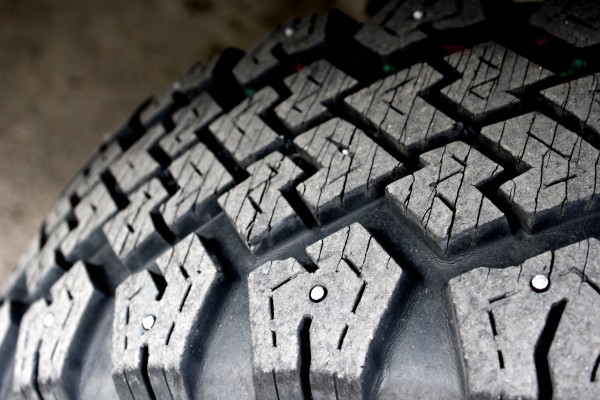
[{"x": 72, "y": 71}]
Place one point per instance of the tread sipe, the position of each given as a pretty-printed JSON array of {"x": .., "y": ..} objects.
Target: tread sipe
[{"x": 405, "y": 208}]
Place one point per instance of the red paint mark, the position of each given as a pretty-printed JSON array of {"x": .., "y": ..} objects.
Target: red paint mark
[
  {"x": 450, "y": 48},
  {"x": 542, "y": 41},
  {"x": 299, "y": 67}
]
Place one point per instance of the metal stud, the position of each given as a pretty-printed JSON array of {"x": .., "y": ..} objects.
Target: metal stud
[
  {"x": 540, "y": 283},
  {"x": 148, "y": 322},
  {"x": 48, "y": 320},
  {"x": 318, "y": 293},
  {"x": 418, "y": 15},
  {"x": 289, "y": 31}
]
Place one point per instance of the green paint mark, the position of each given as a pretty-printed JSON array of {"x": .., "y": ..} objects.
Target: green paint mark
[
  {"x": 388, "y": 69},
  {"x": 250, "y": 92},
  {"x": 575, "y": 65}
]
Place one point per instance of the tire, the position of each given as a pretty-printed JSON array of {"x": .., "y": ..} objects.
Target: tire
[{"x": 406, "y": 208}]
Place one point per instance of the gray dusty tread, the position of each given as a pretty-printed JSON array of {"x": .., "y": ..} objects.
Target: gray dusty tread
[
  {"x": 491, "y": 76},
  {"x": 579, "y": 98},
  {"x": 559, "y": 169},
  {"x": 257, "y": 206},
  {"x": 148, "y": 363},
  {"x": 188, "y": 121},
  {"x": 395, "y": 28},
  {"x": 395, "y": 106},
  {"x": 444, "y": 199},
  {"x": 190, "y": 84},
  {"x": 351, "y": 164},
  {"x": 200, "y": 177},
  {"x": 49, "y": 347},
  {"x": 573, "y": 21},
  {"x": 300, "y": 35},
  {"x": 391, "y": 133},
  {"x": 312, "y": 88},
  {"x": 131, "y": 233},
  {"x": 360, "y": 279},
  {"x": 242, "y": 132},
  {"x": 500, "y": 317}
]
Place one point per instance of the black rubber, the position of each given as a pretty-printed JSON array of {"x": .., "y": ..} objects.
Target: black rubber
[{"x": 405, "y": 208}]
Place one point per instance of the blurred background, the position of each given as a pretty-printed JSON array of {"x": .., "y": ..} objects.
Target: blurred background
[{"x": 72, "y": 71}]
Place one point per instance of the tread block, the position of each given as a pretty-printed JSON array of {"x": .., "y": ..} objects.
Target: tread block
[
  {"x": 49, "y": 347},
  {"x": 188, "y": 121},
  {"x": 580, "y": 98},
  {"x": 189, "y": 85},
  {"x": 257, "y": 206},
  {"x": 395, "y": 106},
  {"x": 312, "y": 88},
  {"x": 351, "y": 164},
  {"x": 242, "y": 132},
  {"x": 301, "y": 35},
  {"x": 560, "y": 168},
  {"x": 155, "y": 325},
  {"x": 136, "y": 166},
  {"x": 131, "y": 233},
  {"x": 86, "y": 180},
  {"x": 490, "y": 77},
  {"x": 575, "y": 22},
  {"x": 510, "y": 333},
  {"x": 357, "y": 279},
  {"x": 444, "y": 200},
  {"x": 91, "y": 213},
  {"x": 396, "y": 26},
  {"x": 200, "y": 177}
]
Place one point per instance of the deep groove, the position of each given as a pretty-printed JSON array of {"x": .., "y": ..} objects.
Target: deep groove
[
  {"x": 238, "y": 173},
  {"x": 120, "y": 199},
  {"x": 542, "y": 348},
  {"x": 305, "y": 357},
  {"x": 492, "y": 323},
  {"x": 595, "y": 369},
  {"x": 160, "y": 284},
  {"x": 162, "y": 228},
  {"x": 359, "y": 296},
  {"x": 144, "y": 370}
]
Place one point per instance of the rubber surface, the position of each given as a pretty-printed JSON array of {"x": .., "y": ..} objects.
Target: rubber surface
[{"x": 405, "y": 208}]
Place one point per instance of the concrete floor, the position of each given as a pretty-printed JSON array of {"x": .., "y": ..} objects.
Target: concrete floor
[{"x": 72, "y": 71}]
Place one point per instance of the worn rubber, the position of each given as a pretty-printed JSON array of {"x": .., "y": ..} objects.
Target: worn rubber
[{"x": 346, "y": 211}]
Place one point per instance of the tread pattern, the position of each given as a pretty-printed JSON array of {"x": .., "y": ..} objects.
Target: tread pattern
[
  {"x": 48, "y": 348},
  {"x": 395, "y": 106},
  {"x": 505, "y": 326},
  {"x": 396, "y": 26},
  {"x": 351, "y": 164},
  {"x": 201, "y": 111},
  {"x": 442, "y": 197},
  {"x": 491, "y": 76},
  {"x": 359, "y": 278},
  {"x": 131, "y": 233},
  {"x": 242, "y": 132},
  {"x": 312, "y": 88},
  {"x": 573, "y": 21},
  {"x": 579, "y": 98},
  {"x": 560, "y": 168},
  {"x": 200, "y": 177},
  {"x": 148, "y": 360},
  {"x": 301, "y": 35},
  {"x": 257, "y": 206}
]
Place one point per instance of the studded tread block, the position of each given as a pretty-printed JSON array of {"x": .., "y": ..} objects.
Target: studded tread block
[
  {"x": 157, "y": 321},
  {"x": 351, "y": 164},
  {"x": 398, "y": 24},
  {"x": 511, "y": 331},
  {"x": 358, "y": 279},
  {"x": 49, "y": 346}
]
